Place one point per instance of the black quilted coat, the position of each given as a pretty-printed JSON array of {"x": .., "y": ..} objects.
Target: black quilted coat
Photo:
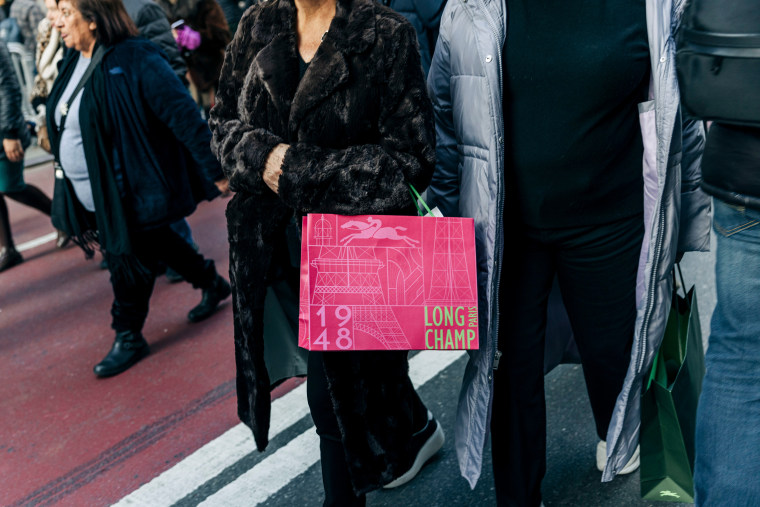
[{"x": 359, "y": 125}]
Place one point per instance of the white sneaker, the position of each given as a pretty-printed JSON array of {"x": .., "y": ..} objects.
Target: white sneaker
[
  {"x": 429, "y": 441},
  {"x": 601, "y": 459}
]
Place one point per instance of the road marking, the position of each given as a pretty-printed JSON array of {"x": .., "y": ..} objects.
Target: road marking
[
  {"x": 213, "y": 458},
  {"x": 37, "y": 242},
  {"x": 270, "y": 475},
  {"x": 210, "y": 460},
  {"x": 275, "y": 472}
]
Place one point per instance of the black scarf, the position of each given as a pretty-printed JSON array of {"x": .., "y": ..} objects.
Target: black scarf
[{"x": 111, "y": 230}]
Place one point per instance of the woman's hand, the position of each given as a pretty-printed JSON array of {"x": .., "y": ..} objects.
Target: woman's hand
[
  {"x": 13, "y": 150},
  {"x": 273, "y": 168}
]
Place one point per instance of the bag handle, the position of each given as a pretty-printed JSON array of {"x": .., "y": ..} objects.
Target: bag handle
[
  {"x": 417, "y": 198},
  {"x": 676, "y": 267},
  {"x": 680, "y": 275}
]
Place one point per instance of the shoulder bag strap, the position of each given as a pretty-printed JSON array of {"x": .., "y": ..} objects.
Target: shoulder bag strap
[{"x": 97, "y": 56}]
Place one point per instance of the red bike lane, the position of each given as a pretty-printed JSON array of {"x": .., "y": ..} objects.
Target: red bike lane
[{"x": 69, "y": 438}]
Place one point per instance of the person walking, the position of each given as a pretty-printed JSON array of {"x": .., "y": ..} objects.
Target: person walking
[
  {"x": 425, "y": 16},
  {"x": 28, "y": 15},
  {"x": 322, "y": 109},
  {"x": 152, "y": 23},
  {"x": 727, "y": 457},
  {"x": 15, "y": 138},
  {"x": 204, "y": 61},
  {"x": 132, "y": 156},
  {"x": 48, "y": 54},
  {"x": 542, "y": 127}
]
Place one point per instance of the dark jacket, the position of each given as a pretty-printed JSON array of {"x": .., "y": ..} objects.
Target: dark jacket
[
  {"x": 425, "y": 16},
  {"x": 233, "y": 10},
  {"x": 359, "y": 126},
  {"x": 11, "y": 118},
  {"x": 139, "y": 122},
  {"x": 731, "y": 164},
  {"x": 153, "y": 24}
]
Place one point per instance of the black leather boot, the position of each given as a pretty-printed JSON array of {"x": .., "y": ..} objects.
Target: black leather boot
[
  {"x": 212, "y": 296},
  {"x": 9, "y": 257},
  {"x": 128, "y": 348}
]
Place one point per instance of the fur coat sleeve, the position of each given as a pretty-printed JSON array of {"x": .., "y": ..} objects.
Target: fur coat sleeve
[{"x": 241, "y": 138}]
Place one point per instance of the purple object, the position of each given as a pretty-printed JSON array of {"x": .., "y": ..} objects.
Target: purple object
[{"x": 187, "y": 38}]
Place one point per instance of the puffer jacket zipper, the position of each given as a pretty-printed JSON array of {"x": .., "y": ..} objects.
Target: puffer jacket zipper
[
  {"x": 651, "y": 293},
  {"x": 498, "y": 252}
]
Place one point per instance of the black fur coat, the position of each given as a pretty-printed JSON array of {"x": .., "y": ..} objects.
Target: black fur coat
[{"x": 359, "y": 125}]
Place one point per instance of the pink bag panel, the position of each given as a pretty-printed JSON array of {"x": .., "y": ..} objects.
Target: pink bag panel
[{"x": 388, "y": 283}]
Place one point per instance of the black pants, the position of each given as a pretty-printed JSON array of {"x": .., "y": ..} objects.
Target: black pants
[
  {"x": 339, "y": 492},
  {"x": 132, "y": 294},
  {"x": 596, "y": 267}
]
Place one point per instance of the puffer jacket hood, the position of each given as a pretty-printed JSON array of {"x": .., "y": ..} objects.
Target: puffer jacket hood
[{"x": 465, "y": 83}]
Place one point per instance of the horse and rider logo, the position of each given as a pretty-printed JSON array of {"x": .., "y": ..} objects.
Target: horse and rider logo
[
  {"x": 668, "y": 493},
  {"x": 374, "y": 229}
]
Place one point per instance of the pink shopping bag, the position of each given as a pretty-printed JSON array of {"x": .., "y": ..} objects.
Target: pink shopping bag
[{"x": 388, "y": 283}]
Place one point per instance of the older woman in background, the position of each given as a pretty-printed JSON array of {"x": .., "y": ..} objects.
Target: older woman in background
[{"x": 133, "y": 157}]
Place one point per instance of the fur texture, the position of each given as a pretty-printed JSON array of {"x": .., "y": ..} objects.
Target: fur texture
[{"x": 359, "y": 125}]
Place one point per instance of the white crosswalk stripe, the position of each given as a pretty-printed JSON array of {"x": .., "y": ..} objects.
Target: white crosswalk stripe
[
  {"x": 36, "y": 242},
  {"x": 272, "y": 473}
]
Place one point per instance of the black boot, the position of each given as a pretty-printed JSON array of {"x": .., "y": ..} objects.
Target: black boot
[
  {"x": 61, "y": 239},
  {"x": 9, "y": 257},
  {"x": 212, "y": 296},
  {"x": 128, "y": 348}
]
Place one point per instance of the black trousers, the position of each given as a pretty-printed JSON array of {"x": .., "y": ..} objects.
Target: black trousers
[
  {"x": 339, "y": 492},
  {"x": 132, "y": 294},
  {"x": 596, "y": 267}
]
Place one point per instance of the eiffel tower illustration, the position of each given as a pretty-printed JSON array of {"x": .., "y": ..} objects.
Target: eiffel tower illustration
[
  {"x": 450, "y": 278},
  {"x": 354, "y": 274}
]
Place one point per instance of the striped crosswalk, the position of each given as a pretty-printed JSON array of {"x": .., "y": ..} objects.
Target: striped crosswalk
[{"x": 275, "y": 471}]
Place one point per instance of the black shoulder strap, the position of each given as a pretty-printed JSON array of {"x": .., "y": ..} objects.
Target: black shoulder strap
[
  {"x": 97, "y": 56},
  {"x": 64, "y": 106}
]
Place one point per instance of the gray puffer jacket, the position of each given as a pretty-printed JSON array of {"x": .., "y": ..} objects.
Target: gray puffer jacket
[{"x": 465, "y": 83}]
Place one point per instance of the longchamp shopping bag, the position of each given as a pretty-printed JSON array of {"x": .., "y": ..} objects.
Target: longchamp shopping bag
[
  {"x": 386, "y": 282},
  {"x": 669, "y": 406}
]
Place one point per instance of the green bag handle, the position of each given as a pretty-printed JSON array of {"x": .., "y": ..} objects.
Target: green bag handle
[
  {"x": 654, "y": 369},
  {"x": 417, "y": 198},
  {"x": 652, "y": 374}
]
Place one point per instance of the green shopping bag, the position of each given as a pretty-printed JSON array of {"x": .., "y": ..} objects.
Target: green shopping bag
[{"x": 669, "y": 406}]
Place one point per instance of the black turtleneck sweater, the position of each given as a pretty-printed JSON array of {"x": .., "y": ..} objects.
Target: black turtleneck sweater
[{"x": 574, "y": 73}]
